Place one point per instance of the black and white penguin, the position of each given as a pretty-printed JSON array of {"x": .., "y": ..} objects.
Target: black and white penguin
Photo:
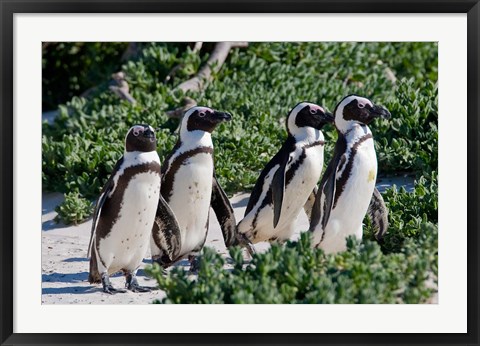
[
  {"x": 287, "y": 181},
  {"x": 125, "y": 212},
  {"x": 190, "y": 187},
  {"x": 347, "y": 187}
]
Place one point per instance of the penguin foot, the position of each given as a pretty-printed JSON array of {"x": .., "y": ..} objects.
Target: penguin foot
[
  {"x": 139, "y": 289},
  {"x": 107, "y": 286},
  {"x": 194, "y": 264},
  {"x": 132, "y": 284},
  {"x": 111, "y": 290}
]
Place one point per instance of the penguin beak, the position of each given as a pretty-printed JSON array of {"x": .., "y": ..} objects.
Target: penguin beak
[
  {"x": 328, "y": 118},
  {"x": 380, "y": 112},
  {"x": 323, "y": 119},
  {"x": 221, "y": 116}
]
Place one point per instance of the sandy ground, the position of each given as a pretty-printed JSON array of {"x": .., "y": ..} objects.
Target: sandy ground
[{"x": 65, "y": 265}]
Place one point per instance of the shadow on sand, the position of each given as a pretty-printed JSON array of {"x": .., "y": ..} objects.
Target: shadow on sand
[
  {"x": 71, "y": 290},
  {"x": 62, "y": 277},
  {"x": 241, "y": 203},
  {"x": 51, "y": 224},
  {"x": 71, "y": 278},
  {"x": 76, "y": 259}
]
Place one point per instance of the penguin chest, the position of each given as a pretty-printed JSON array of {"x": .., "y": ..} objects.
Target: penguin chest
[
  {"x": 127, "y": 242},
  {"x": 302, "y": 175},
  {"x": 190, "y": 201},
  {"x": 348, "y": 214}
]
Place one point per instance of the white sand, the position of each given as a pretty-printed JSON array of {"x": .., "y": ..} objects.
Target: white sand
[{"x": 65, "y": 265}]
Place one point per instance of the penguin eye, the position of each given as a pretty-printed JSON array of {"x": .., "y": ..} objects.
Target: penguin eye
[
  {"x": 136, "y": 132},
  {"x": 313, "y": 111},
  {"x": 361, "y": 105},
  {"x": 202, "y": 114}
]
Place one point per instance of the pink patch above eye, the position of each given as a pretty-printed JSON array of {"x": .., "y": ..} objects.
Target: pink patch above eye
[
  {"x": 315, "y": 109},
  {"x": 137, "y": 130}
]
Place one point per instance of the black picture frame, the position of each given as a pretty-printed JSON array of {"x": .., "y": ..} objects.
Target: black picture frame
[{"x": 10, "y": 7}]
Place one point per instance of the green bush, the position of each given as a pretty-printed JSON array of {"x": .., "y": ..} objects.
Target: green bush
[
  {"x": 409, "y": 140},
  {"x": 74, "y": 209},
  {"x": 296, "y": 273}
]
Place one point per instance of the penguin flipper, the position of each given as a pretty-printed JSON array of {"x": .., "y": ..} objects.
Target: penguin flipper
[
  {"x": 280, "y": 157},
  {"x": 166, "y": 232},
  {"x": 224, "y": 212},
  {"x": 94, "y": 276},
  {"x": 329, "y": 189},
  {"x": 378, "y": 214},
  {"x": 308, "y": 207},
  {"x": 326, "y": 193},
  {"x": 278, "y": 190}
]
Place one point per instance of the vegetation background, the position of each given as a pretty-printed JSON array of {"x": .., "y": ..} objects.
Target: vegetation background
[{"x": 258, "y": 85}]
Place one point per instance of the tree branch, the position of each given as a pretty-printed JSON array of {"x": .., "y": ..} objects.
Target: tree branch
[
  {"x": 213, "y": 64},
  {"x": 121, "y": 89}
]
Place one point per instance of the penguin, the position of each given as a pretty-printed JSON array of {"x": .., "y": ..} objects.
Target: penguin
[
  {"x": 125, "y": 212},
  {"x": 289, "y": 178},
  {"x": 190, "y": 187},
  {"x": 347, "y": 188}
]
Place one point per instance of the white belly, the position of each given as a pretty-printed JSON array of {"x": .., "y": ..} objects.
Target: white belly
[
  {"x": 190, "y": 201},
  {"x": 301, "y": 186},
  {"x": 128, "y": 240},
  {"x": 295, "y": 196},
  {"x": 347, "y": 217}
]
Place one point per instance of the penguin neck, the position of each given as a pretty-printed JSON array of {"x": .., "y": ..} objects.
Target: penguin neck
[
  {"x": 354, "y": 131},
  {"x": 133, "y": 158},
  {"x": 195, "y": 138},
  {"x": 306, "y": 135}
]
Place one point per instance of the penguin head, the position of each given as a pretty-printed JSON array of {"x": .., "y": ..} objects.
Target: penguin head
[
  {"x": 354, "y": 109},
  {"x": 203, "y": 119},
  {"x": 307, "y": 115},
  {"x": 141, "y": 138}
]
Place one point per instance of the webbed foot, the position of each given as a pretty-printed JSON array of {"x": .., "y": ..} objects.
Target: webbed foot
[
  {"x": 111, "y": 290},
  {"x": 132, "y": 284},
  {"x": 139, "y": 289},
  {"x": 107, "y": 285}
]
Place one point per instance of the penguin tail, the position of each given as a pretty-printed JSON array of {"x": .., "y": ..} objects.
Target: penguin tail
[
  {"x": 378, "y": 214},
  {"x": 163, "y": 260},
  {"x": 94, "y": 275}
]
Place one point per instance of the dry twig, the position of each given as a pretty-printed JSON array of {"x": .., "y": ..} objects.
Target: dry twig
[{"x": 121, "y": 89}]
